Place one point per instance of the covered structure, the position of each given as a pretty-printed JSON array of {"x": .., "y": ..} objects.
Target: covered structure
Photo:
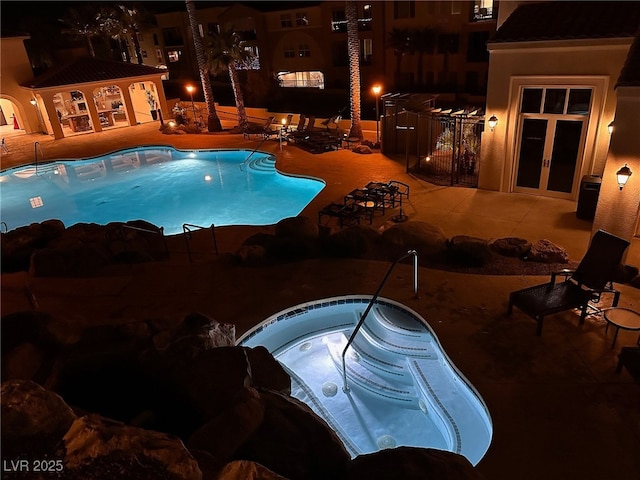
[{"x": 89, "y": 95}]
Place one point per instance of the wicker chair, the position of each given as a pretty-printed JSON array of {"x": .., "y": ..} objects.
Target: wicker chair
[{"x": 593, "y": 277}]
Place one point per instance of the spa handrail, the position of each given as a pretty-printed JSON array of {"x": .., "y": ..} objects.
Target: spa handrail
[{"x": 345, "y": 387}]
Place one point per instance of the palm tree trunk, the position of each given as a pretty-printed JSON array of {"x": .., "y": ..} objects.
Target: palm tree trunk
[
  {"x": 136, "y": 46},
  {"x": 92, "y": 52},
  {"x": 353, "y": 50},
  {"x": 237, "y": 93},
  {"x": 124, "y": 48},
  {"x": 214, "y": 124}
]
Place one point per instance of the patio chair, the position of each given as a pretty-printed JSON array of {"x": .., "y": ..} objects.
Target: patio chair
[
  {"x": 258, "y": 129},
  {"x": 349, "y": 213},
  {"x": 592, "y": 278},
  {"x": 301, "y": 122}
]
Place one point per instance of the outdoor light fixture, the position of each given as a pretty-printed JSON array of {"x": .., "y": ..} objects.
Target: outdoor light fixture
[
  {"x": 34, "y": 102},
  {"x": 190, "y": 89},
  {"x": 623, "y": 175},
  {"x": 376, "y": 89},
  {"x": 493, "y": 121},
  {"x": 610, "y": 127}
]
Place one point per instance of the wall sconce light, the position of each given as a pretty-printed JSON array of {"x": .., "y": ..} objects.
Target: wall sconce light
[
  {"x": 610, "y": 127},
  {"x": 623, "y": 175},
  {"x": 33, "y": 102},
  {"x": 493, "y": 121}
]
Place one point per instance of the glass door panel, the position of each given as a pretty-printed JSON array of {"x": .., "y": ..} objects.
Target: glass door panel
[
  {"x": 531, "y": 154},
  {"x": 564, "y": 156}
]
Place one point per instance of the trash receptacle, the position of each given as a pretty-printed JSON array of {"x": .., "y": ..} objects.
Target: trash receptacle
[{"x": 588, "y": 197}]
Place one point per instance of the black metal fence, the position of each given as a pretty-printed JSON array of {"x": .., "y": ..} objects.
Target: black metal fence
[{"x": 441, "y": 146}]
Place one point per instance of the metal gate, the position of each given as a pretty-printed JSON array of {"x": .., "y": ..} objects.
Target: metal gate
[{"x": 441, "y": 146}]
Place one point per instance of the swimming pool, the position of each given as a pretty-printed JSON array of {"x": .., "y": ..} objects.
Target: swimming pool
[
  {"x": 162, "y": 185},
  {"x": 403, "y": 390}
]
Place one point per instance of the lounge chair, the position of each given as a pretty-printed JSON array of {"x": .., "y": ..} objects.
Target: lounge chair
[
  {"x": 258, "y": 129},
  {"x": 349, "y": 213},
  {"x": 301, "y": 122},
  {"x": 592, "y": 278}
]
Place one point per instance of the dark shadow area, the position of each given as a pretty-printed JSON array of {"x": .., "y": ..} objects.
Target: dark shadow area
[{"x": 120, "y": 390}]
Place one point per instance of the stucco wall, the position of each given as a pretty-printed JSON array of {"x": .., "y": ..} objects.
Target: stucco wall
[
  {"x": 617, "y": 210},
  {"x": 16, "y": 69},
  {"x": 567, "y": 64}
]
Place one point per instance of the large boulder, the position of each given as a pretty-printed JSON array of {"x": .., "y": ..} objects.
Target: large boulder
[
  {"x": 238, "y": 422},
  {"x": 297, "y": 227},
  {"x": 294, "y": 442},
  {"x": 468, "y": 251},
  {"x": 30, "y": 342},
  {"x": 48, "y": 249},
  {"x": 511, "y": 246},
  {"x": 100, "y": 448},
  {"x": 545, "y": 251},
  {"x": 18, "y": 245},
  {"x": 34, "y": 420},
  {"x": 427, "y": 239},
  {"x": 195, "y": 334},
  {"x": 352, "y": 242},
  {"x": 228, "y": 370},
  {"x": 246, "y": 470},
  {"x": 410, "y": 463}
]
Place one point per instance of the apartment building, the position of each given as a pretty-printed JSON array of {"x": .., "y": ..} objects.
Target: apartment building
[{"x": 303, "y": 44}]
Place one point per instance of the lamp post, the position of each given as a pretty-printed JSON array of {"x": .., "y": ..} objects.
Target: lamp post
[
  {"x": 376, "y": 91},
  {"x": 190, "y": 89}
]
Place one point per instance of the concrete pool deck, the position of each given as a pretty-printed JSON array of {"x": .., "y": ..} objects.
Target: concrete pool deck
[{"x": 559, "y": 409}]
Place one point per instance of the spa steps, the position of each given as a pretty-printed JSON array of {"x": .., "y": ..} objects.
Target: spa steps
[{"x": 378, "y": 359}]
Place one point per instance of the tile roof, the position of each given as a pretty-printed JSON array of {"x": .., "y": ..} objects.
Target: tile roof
[
  {"x": 89, "y": 69},
  {"x": 569, "y": 20},
  {"x": 630, "y": 74}
]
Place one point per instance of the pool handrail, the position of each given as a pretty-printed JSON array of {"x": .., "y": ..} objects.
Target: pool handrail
[
  {"x": 186, "y": 230},
  {"x": 36, "y": 147},
  {"x": 246, "y": 160},
  {"x": 345, "y": 387},
  {"x": 160, "y": 232}
]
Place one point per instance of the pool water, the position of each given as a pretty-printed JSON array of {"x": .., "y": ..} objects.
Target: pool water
[
  {"x": 162, "y": 185},
  {"x": 403, "y": 390}
]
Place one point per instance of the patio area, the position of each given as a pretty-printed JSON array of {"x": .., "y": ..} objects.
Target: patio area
[{"x": 559, "y": 408}]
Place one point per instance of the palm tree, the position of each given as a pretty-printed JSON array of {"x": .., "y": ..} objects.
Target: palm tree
[
  {"x": 398, "y": 40},
  {"x": 422, "y": 40},
  {"x": 82, "y": 23},
  {"x": 226, "y": 50},
  {"x": 111, "y": 26},
  {"x": 353, "y": 50},
  {"x": 135, "y": 18},
  {"x": 213, "y": 121}
]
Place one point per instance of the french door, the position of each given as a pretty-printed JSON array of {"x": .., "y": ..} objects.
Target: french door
[
  {"x": 551, "y": 140},
  {"x": 549, "y": 155}
]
